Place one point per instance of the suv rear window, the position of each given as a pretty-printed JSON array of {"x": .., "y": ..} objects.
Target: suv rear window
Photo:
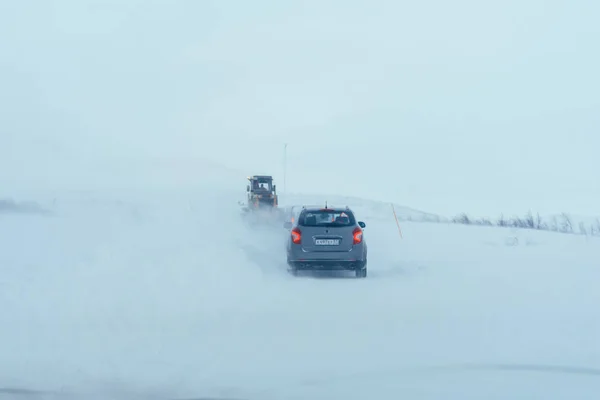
[{"x": 330, "y": 218}]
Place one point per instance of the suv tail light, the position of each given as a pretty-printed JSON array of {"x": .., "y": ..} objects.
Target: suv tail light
[
  {"x": 357, "y": 235},
  {"x": 296, "y": 235}
]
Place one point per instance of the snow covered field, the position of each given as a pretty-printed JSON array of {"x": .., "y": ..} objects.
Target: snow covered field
[
  {"x": 127, "y": 130},
  {"x": 158, "y": 296}
]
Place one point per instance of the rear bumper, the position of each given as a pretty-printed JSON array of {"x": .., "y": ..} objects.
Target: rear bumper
[
  {"x": 297, "y": 253},
  {"x": 352, "y": 260},
  {"x": 327, "y": 265}
]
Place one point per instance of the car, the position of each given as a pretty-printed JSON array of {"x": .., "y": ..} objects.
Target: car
[{"x": 326, "y": 238}]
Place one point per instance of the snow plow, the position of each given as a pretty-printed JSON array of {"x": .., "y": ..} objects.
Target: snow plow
[
  {"x": 262, "y": 200},
  {"x": 262, "y": 193}
]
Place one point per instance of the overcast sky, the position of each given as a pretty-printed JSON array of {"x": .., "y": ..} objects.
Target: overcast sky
[{"x": 444, "y": 106}]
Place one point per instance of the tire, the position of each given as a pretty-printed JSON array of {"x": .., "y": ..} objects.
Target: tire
[
  {"x": 292, "y": 269},
  {"x": 362, "y": 272}
]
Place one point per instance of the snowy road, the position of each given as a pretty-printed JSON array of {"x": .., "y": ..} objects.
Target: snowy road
[{"x": 169, "y": 298}]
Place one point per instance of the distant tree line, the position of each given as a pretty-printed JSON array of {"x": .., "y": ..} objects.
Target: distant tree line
[{"x": 562, "y": 223}]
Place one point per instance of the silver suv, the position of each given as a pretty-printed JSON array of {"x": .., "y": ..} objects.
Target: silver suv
[{"x": 327, "y": 239}]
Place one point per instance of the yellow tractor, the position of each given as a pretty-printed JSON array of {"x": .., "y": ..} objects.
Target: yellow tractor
[
  {"x": 262, "y": 205},
  {"x": 262, "y": 193}
]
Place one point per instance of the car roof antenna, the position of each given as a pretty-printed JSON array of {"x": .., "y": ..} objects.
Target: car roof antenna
[{"x": 326, "y": 204}]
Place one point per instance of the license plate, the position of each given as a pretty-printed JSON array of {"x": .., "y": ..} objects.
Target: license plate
[{"x": 327, "y": 242}]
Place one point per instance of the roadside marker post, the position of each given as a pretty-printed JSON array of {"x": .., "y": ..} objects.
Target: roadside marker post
[{"x": 396, "y": 218}]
